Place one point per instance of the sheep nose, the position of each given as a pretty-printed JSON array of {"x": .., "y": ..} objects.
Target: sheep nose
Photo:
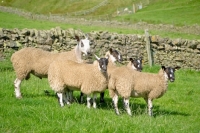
[
  {"x": 88, "y": 53},
  {"x": 104, "y": 69},
  {"x": 120, "y": 60}
]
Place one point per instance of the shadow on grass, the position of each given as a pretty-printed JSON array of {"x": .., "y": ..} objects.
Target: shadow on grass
[
  {"x": 159, "y": 112},
  {"x": 136, "y": 108}
]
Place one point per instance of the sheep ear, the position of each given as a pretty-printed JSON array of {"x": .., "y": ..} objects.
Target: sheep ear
[
  {"x": 107, "y": 57},
  {"x": 163, "y": 67},
  {"x": 131, "y": 59},
  {"x": 177, "y": 68},
  {"x": 86, "y": 36},
  {"x": 96, "y": 57},
  {"x": 77, "y": 38},
  {"x": 110, "y": 50}
]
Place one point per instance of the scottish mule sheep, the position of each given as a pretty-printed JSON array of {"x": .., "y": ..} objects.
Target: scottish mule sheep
[
  {"x": 68, "y": 76},
  {"x": 127, "y": 83}
]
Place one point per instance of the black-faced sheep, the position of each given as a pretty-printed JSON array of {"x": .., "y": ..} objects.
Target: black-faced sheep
[
  {"x": 127, "y": 83},
  {"x": 64, "y": 76},
  {"x": 113, "y": 56},
  {"x": 36, "y": 61}
]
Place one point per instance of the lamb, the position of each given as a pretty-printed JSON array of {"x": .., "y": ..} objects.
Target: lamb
[
  {"x": 69, "y": 76},
  {"x": 129, "y": 83},
  {"x": 36, "y": 61}
]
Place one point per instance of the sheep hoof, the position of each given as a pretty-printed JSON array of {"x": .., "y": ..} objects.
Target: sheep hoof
[
  {"x": 117, "y": 113},
  {"x": 61, "y": 105},
  {"x": 102, "y": 101},
  {"x": 19, "y": 97},
  {"x": 130, "y": 114}
]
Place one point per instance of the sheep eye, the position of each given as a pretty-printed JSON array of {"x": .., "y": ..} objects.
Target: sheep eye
[{"x": 82, "y": 45}]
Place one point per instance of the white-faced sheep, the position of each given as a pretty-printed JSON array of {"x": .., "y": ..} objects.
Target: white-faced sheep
[
  {"x": 87, "y": 78},
  {"x": 36, "y": 61},
  {"x": 127, "y": 83}
]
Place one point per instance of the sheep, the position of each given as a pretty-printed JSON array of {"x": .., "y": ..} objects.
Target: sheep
[
  {"x": 114, "y": 55},
  {"x": 135, "y": 64},
  {"x": 36, "y": 61},
  {"x": 129, "y": 83},
  {"x": 65, "y": 76}
]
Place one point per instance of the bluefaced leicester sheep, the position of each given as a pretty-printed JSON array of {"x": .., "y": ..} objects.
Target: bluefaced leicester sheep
[
  {"x": 64, "y": 76},
  {"x": 127, "y": 83},
  {"x": 36, "y": 61}
]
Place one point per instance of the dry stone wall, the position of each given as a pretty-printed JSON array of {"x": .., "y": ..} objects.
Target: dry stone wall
[{"x": 165, "y": 51}]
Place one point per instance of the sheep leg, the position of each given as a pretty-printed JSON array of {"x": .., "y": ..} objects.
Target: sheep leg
[
  {"x": 126, "y": 105},
  {"x": 150, "y": 106},
  {"x": 66, "y": 98},
  {"x": 88, "y": 101},
  {"x": 102, "y": 97},
  {"x": 81, "y": 97},
  {"x": 17, "y": 84},
  {"x": 94, "y": 100},
  {"x": 70, "y": 96},
  {"x": 115, "y": 103},
  {"x": 60, "y": 98}
]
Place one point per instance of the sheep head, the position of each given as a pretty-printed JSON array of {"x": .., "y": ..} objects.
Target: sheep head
[
  {"x": 114, "y": 55},
  {"x": 170, "y": 72},
  {"x": 83, "y": 45},
  {"x": 102, "y": 63},
  {"x": 136, "y": 63}
]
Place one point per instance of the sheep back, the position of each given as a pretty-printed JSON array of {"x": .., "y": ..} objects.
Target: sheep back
[
  {"x": 76, "y": 76},
  {"x": 32, "y": 60},
  {"x": 149, "y": 85},
  {"x": 128, "y": 82},
  {"x": 120, "y": 81},
  {"x": 69, "y": 55}
]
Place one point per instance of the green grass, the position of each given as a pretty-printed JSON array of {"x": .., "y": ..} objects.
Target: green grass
[
  {"x": 181, "y": 13},
  {"x": 66, "y": 6},
  {"x": 11, "y": 21},
  {"x": 177, "y": 111}
]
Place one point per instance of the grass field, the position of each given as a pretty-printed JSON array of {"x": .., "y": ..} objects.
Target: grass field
[
  {"x": 177, "y": 111},
  {"x": 178, "y": 13},
  {"x": 11, "y": 21}
]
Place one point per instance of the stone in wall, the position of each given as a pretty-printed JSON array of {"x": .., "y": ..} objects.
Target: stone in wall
[{"x": 166, "y": 51}]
